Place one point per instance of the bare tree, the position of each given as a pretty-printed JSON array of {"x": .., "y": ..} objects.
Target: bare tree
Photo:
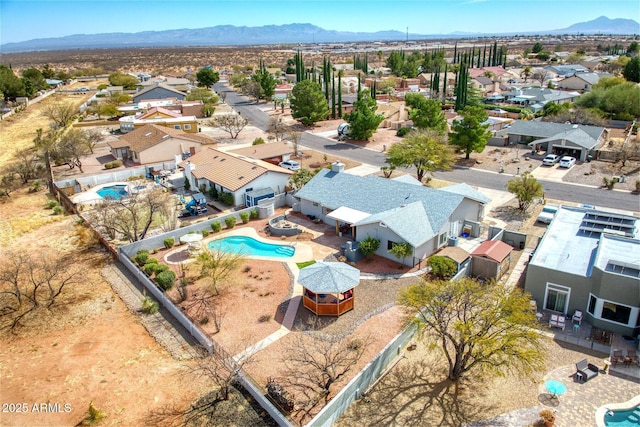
[
  {"x": 92, "y": 138},
  {"x": 8, "y": 184},
  {"x": 46, "y": 144},
  {"x": 59, "y": 112},
  {"x": 277, "y": 128},
  {"x": 315, "y": 362},
  {"x": 216, "y": 265},
  {"x": 253, "y": 90},
  {"x": 132, "y": 215},
  {"x": 71, "y": 147},
  {"x": 30, "y": 282},
  {"x": 294, "y": 137},
  {"x": 27, "y": 165},
  {"x": 233, "y": 124}
]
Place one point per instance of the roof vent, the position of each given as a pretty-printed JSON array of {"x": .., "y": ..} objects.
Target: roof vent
[
  {"x": 147, "y": 134},
  {"x": 165, "y": 137},
  {"x": 575, "y": 126}
]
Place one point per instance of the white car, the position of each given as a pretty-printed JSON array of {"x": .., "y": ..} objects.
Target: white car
[
  {"x": 290, "y": 164},
  {"x": 550, "y": 160},
  {"x": 567, "y": 162}
]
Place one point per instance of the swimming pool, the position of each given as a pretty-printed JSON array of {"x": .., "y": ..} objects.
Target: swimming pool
[
  {"x": 251, "y": 247},
  {"x": 626, "y": 418},
  {"x": 115, "y": 192}
]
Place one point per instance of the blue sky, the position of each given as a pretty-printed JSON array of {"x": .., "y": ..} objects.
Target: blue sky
[{"x": 22, "y": 20}]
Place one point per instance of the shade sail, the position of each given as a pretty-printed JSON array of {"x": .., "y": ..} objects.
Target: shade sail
[
  {"x": 348, "y": 215},
  {"x": 329, "y": 277}
]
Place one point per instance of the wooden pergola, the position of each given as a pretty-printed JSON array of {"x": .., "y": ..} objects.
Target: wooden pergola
[{"x": 329, "y": 287}]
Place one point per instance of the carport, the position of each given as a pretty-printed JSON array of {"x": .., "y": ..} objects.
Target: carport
[{"x": 575, "y": 143}]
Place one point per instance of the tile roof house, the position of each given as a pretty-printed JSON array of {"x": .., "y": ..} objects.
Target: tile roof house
[
  {"x": 589, "y": 260},
  {"x": 160, "y": 116},
  {"x": 272, "y": 152},
  {"x": 491, "y": 259},
  {"x": 391, "y": 210},
  {"x": 578, "y": 141},
  {"x": 154, "y": 144},
  {"x": 235, "y": 174}
]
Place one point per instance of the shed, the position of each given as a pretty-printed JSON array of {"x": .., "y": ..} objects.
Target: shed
[
  {"x": 457, "y": 255},
  {"x": 491, "y": 259}
]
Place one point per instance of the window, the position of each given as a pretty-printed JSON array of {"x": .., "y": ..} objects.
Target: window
[
  {"x": 592, "y": 304},
  {"x": 390, "y": 244},
  {"x": 616, "y": 313},
  {"x": 557, "y": 298},
  {"x": 187, "y": 127},
  {"x": 442, "y": 239},
  {"x": 176, "y": 127}
]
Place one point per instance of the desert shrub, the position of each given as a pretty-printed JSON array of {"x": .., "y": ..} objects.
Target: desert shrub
[
  {"x": 442, "y": 267},
  {"x": 141, "y": 257},
  {"x": 205, "y": 233},
  {"x": 166, "y": 279},
  {"x": 403, "y": 131},
  {"x": 58, "y": 210},
  {"x": 149, "y": 306},
  {"x": 244, "y": 217},
  {"x": 355, "y": 344},
  {"x": 113, "y": 165},
  {"x": 230, "y": 221},
  {"x": 254, "y": 214},
  {"x": 369, "y": 245},
  {"x": 637, "y": 185},
  {"x": 150, "y": 267},
  {"x": 204, "y": 320},
  {"x": 169, "y": 242},
  {"x": 51, "y": 204},
  {"x": 93, "y": 416},
  {"x": 216, "y": 226},
  {"x": 258, "y": 141},
  {"x": 264, "y": 318},
  {"x": 226, "y": 198},
  {"x": 37, "y": 186}
]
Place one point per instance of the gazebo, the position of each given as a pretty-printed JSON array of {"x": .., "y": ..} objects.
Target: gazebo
[
  {"x": 194, "y": 241},
  {"x": 328, "y": 287}
]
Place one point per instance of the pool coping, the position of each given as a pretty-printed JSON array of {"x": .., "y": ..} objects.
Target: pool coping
[
  {"x": 624, "y": 406},
  {"x": 303, "y": 252}
]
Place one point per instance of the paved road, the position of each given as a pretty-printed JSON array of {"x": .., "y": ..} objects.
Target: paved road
[{"x": 553, "y": 190}]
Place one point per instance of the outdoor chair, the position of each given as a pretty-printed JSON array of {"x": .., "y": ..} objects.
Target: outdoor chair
[
  {"x": 632, "y": 357},
  {"x": 556, "y": 321},
  {"x": 577, "y": 317},
  {"x": 617, "y": 357},
  {"x": 585, "y": 371}
]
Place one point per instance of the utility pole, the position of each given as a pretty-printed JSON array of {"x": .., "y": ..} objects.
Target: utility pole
[{"x": 407, "y": 34}]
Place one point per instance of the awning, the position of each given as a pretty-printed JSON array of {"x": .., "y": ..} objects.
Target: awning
[{"x": 348, "y": 215}]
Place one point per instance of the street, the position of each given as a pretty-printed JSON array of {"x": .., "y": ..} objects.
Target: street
[{"x": 553, "y": 190}]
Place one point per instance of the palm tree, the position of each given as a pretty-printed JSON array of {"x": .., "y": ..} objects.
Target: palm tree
[{"x": 526, "y": 73}]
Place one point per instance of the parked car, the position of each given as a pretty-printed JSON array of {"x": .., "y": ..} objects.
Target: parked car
[
  {"x": 567, "y": 162},
  {"x": 548, "y": 213},
  {"x": 83, "y": 89},
  {"x": 290, "y": 164},
  {"x": 550, "y": 160}
]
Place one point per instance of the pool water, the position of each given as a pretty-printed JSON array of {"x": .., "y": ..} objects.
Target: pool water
[
  {"x": 630, "y": 418},
  {"x": 115, "y": 192},
  {"x": 251, "y": 247}
]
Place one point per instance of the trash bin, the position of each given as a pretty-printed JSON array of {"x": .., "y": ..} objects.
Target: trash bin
[{"x": 589, "y": 158}]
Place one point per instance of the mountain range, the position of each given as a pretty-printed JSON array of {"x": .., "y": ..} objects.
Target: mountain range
[{"x": 225, "y": 35}]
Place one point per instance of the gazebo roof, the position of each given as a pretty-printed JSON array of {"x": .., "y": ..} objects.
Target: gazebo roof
[{"x": 329, "y": 277}]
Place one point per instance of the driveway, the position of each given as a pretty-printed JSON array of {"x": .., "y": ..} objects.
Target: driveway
[{"x": 550, "y": 173}]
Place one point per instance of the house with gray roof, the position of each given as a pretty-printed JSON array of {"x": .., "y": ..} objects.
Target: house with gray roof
[
  {"x": 391, "y": 210},
  {"x": 529, "y": 96},
  {"x": 589, "y": 260},
  {"x": 158, "y": 91},
  {"x": 578, "y": 141},
  {"x": 581, "y": 81},
  {"x": 567, "y": 70}
]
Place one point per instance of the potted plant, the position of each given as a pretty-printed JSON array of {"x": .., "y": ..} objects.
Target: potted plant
[{"x": 548, "y": 417}]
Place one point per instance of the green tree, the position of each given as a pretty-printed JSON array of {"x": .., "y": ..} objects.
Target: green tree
[
  {"x": 128, "y": 82},
  {"x": 369, "y": 245},
  {"x": 216, "y": 266},
  {"x": 36, "y": 78},
  {"x": 614, "y": 97},
  {"x": 238, "y": 80},
  {"x": 426, "y": 113},
  {"x": 537, "y": 48},
  {"x": 47, "y": 72},
  {"x": 426, "y": 150},
  {"x": 300, "y": 178},
  {"x": 442, "y": 267},
  {"x": 470, "y": 134},
  {"x": 206, "y": 77},
  {"x": 526, "y": 188},
  {"x": 526, "y": 72},
  {"x": 401, "y": 250},
  {"x": 631, "y": 71},
  {"x": 204, "y": 95},
  {"x": 308, "y": 103},
  {"x": 633, "y": 48},
  {"x": 10, "y": 85},
  {"x": 363, "y": 120},
  {"x": 487, "y": 328},
  {"x": 266, "y": 81}
]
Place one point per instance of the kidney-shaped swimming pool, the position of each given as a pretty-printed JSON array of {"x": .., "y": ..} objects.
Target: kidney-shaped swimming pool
[{"x": 251, "y": 247}]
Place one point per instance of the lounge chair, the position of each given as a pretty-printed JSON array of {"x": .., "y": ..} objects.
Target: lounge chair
[
  {"x": 577, "y": 317},
  {"x": 585, "y": 371},
  {"x": 617, "y": 357},
  {"x": 632, "y": 357}
]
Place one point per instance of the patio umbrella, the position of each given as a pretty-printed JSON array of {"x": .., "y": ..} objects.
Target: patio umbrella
[
  {"x": 329, "y": 277},
  {"x": 191, "y": 238}
]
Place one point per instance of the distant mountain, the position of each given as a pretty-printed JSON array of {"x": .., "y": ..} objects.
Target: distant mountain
[
  {"x": 225, "y": 35},
  {"x": 603, "y": 25}
]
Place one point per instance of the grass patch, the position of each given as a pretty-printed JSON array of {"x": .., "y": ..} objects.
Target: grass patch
[{"x": 302, "y": 265}]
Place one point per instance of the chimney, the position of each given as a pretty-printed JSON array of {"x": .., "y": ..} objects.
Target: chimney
[{"x": 337, "y": 167}]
